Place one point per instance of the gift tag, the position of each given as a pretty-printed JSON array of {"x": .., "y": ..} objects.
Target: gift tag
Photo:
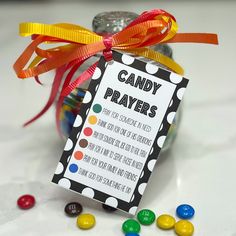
[{"x": 121, "y": 128}]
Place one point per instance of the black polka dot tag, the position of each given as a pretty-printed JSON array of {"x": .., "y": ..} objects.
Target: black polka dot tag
[{"x": 120, "y": 129}]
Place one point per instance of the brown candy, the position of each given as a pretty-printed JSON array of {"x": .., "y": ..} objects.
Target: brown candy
[{"x": 73, "y": 209}]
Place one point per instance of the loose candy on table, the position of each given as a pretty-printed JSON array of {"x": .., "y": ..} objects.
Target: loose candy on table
[
  {"x": 184, "y": 228},
  {"x": 131, "y": 226},
  {"x": 26, "y": 201},
  {"x": 73, "y": 209},
  {"x": 146, "y": 217},
  {"x": 165, "y": 221},
  {"x": 86, "y": 221},
  {"x": 108, "y": 208},
  {"x": 185, "y": 211}
]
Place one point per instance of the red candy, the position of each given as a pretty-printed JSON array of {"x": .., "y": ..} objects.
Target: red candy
[{"x": 26, "y": 201}]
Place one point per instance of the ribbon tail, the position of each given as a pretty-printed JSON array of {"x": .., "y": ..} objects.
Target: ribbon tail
[
  {"x": 158, "y": 57},
  {"x": 61, "y": 98},
  {"x": 194, "y": 38},
  {"x": 54, "y": 90},
  {"x": 83, "y": 77},
  {"x": 36, "y": 78},
  {"x": 68, "y": 88}
]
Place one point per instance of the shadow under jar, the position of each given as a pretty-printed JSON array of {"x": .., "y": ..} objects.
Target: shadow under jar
[{"x": 108, "y": 23}]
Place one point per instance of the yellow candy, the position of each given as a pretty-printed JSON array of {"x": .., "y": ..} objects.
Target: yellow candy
[
  {"x": 184, "y": 228},
  {"x": 165, "y": 222},
  {"x": 66, "y": 107},
  {"x": 86, "y": 221}
]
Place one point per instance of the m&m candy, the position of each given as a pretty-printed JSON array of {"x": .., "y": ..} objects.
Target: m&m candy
[
  {"x": 185, "y": 211},
  {"x": 86, "y": 221},
  {"x": 184, "y": 228},
  {"x": 73, "y": 209},
  {"x": 165, "y": 221},
  {"x": 26, "y": 201},
  {"x": 146, "y": 217},
  {"x": 131, "y": 226}
]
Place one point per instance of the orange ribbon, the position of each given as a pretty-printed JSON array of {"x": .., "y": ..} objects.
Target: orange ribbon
[{"x": 150, "y": 28}]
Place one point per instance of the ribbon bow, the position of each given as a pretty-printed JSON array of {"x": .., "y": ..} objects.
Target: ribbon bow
[{"x": 150, "y": 28}]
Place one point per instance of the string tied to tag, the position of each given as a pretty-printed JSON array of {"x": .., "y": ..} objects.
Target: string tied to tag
[{"x": 107, "y": 52}]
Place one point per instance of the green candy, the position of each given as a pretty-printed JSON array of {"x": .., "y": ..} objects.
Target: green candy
[
  {"x": 146, "y": 217},
  {"x": 131, "y": 226}
]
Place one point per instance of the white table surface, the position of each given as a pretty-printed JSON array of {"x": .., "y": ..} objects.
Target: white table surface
[{"x": 199, "y": 170}]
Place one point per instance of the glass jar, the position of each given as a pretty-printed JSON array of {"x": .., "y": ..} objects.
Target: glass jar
[{"x": 108, "y": 23}]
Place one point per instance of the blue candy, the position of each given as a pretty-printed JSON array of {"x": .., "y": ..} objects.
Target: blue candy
[
  {"x": 185, "y": 211},
  {"x": 70, "y": 117},
  {"x": 131, "y": 234}
]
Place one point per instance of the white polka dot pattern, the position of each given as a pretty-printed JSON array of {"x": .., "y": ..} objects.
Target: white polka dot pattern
[
  {"x": 160, "y": 141},
  {"x": 88, "y": 192},
  {"x": 68, "y": 159},
  {"x": 111, "y": 201},
  {"x": 132, "y": 198},
  {"x": 161, "y": 127},
  {"x": 64, "y": 183},
  {"x": 171, "y": 117},
  {"x": 97, "y": 73},
  {"x": 69, "y": 145},
  {"x": 133, "y": 210},
  {"x": 151, "y": 69},
  {"x": 175, "y": 78},
  {"x": 151, "y": 151},
  {"x": 131, "y": 206},
  {"x": 87, "y": 111},
  {"x": 180, "y": 93},
  {"x": 96, "y": 87},
  {"x": 141, "y": 176},
  {"x": 59, "y": 169},
  {"x": 141, "y": 188},
  {"x": 78, "y": 121},
  {"x": 87, "y": 97},
  {"x": 151, "y": 164},
  {"x": 128, "y": 60}
]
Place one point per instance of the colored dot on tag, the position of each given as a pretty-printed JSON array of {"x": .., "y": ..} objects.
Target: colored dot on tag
[
  {"x": 78, "y": 155},
  {"x": 73, "y": 168},
  {"x": 92, "y": 120},
  {"x": 83, "y": 143},
  {"x": 97, "y": 108},
  {"x": 88, "y": 131}
]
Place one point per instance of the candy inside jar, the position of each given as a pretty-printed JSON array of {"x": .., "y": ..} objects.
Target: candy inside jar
[{"x": 108, "y": 23}]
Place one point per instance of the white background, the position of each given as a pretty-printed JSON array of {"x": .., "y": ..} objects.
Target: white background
[{"x": 200, "y": 169}]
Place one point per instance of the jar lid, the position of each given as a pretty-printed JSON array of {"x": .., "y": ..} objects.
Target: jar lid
[{"x": 112, "y": 22}]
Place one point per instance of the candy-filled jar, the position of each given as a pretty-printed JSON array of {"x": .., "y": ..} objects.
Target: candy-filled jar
[{"x": 108, "y": 23}]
